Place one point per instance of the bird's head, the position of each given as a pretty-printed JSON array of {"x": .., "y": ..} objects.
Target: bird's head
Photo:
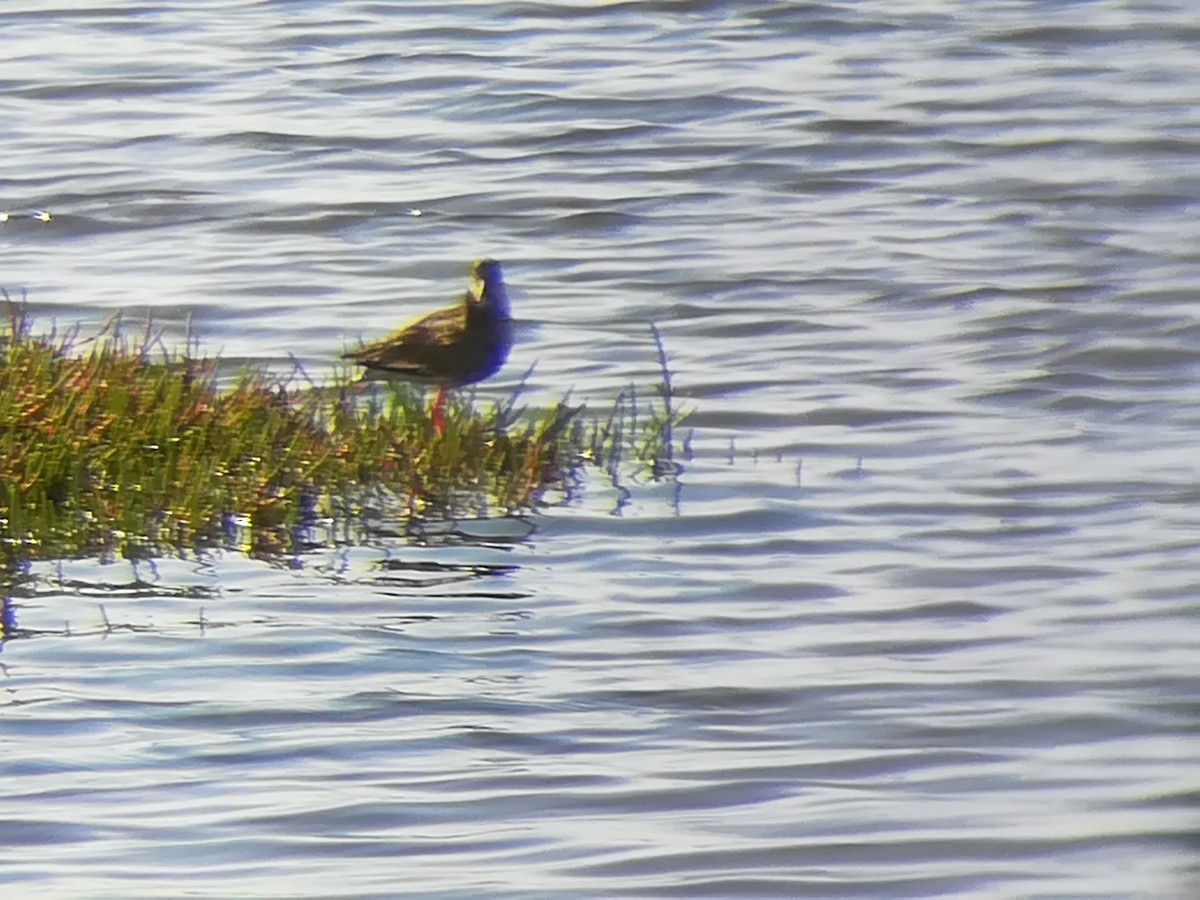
[{"x": 487, "y": 286}]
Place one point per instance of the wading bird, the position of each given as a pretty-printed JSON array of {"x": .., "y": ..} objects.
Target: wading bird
[{"x": 450, "y": 347}]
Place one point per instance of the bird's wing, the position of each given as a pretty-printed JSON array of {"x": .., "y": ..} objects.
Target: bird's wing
[{"x": 419, "y": 347}]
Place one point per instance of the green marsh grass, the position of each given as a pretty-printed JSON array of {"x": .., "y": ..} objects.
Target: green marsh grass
[{"x": 117, "y": 443}]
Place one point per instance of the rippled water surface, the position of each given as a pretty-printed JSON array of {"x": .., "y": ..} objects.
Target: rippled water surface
[{"x": 918, "y": 617}]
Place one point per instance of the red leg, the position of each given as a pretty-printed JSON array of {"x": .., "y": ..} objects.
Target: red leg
[{"x": 439, "y": 409}]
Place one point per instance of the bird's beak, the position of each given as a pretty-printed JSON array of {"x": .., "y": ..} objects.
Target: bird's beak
[{"x": 478, "y": 287}]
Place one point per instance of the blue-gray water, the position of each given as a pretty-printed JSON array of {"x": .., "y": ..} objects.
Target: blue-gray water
[{"x": 959, "y": 241}]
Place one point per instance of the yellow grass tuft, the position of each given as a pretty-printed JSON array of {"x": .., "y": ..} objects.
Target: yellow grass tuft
[{"x": 106, "y": 444}]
